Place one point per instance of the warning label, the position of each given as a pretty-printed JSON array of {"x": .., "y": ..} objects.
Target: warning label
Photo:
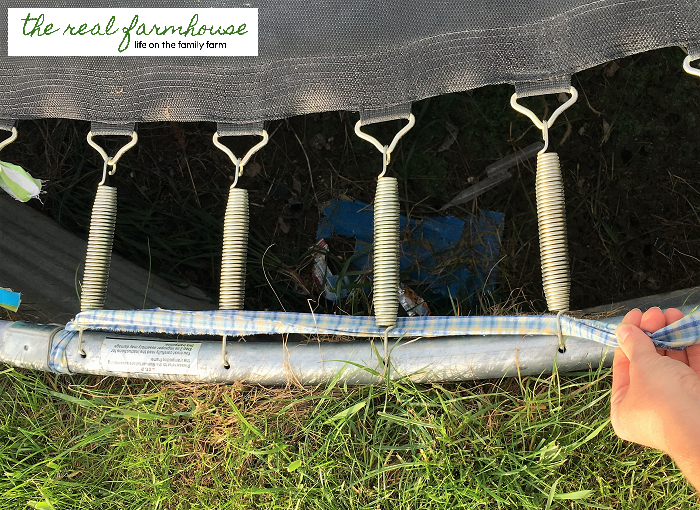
[{"x": 147, "y": 356}]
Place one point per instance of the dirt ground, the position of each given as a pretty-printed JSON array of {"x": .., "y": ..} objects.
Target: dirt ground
[{"x": 630, "y": 161}]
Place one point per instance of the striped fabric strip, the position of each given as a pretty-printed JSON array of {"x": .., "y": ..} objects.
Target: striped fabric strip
[
  {"x": 676, "y": 336},
  {"x": 57, "y": 358}
]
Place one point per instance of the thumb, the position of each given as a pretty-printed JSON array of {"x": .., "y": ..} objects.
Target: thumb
[{"x": 636, "y": 344}]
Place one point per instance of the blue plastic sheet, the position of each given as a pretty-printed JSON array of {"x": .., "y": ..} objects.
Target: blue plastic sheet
[{"x": 449, "y": 255}]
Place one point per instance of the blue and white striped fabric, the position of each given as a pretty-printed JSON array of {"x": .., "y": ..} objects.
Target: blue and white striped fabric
[
  {"x": 57, "y": 359},
  {"x": 678, "y": 335}
]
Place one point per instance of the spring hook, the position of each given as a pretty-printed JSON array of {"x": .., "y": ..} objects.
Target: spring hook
[
  {"x": 10, "y": 139},
  {"x": 551, "y": 214},
  {"x": 81, "y": 351},
  {"x": 385, "y": 285},
  {"x": 224, "y": 360},
  {"x": 688, "y": 68},
  {"x": 385, "y": 342},
  {"x": 560, "y": 336},
  {"x": 103, "y": 218},
  {"x": 235, "y": 242}
]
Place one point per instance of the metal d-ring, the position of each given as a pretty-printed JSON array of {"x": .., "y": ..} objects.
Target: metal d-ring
[
  {"x": 688, "y": 68},
  {"x": 113, "y": 160},
  {"x": 240, "y": 162},
  {"x": 541, "y": 124},
  {"x": 386, "y": 150},
  {"x": 9, "y": 140}
]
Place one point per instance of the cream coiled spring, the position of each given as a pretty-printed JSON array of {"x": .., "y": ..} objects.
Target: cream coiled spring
[
  {"x": 99, "y": 249},
  {"x": 235, "y": 251},
  {"x": 386, "y": 252},
  {"x": 551, "y": 219}
]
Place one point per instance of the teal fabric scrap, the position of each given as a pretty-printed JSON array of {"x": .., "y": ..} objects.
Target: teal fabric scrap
[{"x": 10, "y": 300}]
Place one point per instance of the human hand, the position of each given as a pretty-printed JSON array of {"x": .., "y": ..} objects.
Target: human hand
[{"x": 656, "y": 394}]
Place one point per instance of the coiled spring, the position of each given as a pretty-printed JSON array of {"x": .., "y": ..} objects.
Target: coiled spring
[
  {"x": 386, "y": 252},
  {"x": 101, "y": 236},
  {"x": 235, "y": 251},
  {"x": 551, "y": 221},
  {"x": 386, "y": 236},
  {"x": 234, "y": 254},
  {"x": 551, "y": 213},
  {"x": 99, "y": 249}
]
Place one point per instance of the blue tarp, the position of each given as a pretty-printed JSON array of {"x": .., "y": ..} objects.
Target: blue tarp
[{"x": 452, "y": 256}]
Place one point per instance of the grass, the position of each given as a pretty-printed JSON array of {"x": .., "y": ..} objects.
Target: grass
[
  {"x": 630, "y": 171},
  {"x": 539, "y": 442}
]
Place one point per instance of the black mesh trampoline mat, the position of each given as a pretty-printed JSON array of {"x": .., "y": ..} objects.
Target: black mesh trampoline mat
[{"x": 327, "y": 55}]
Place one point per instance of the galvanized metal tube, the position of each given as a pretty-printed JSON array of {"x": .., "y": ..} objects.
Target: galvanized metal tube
[
  {"x": 274, "y": 363},
  {"x": 427, "y": 360},
  {"x": 27, "y": 345}
]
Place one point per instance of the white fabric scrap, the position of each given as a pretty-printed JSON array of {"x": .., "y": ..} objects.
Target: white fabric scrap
[{"x": 18, "y": 183}]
